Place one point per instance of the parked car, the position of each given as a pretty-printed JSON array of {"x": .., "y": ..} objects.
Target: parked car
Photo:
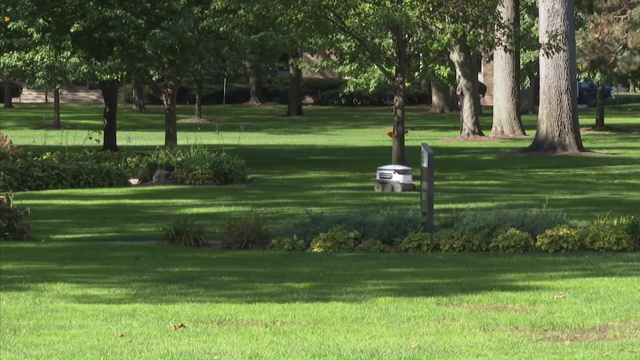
[{"x": 588, "y": 92}]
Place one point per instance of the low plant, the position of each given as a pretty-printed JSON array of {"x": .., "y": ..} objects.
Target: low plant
[
  {"x": 287, "y": 244},
  {"x": 388, "y": 225},
  {"x": 185, "y": 232},
  {"x": 373, "y": 246},
  {"x": 512, "y": 241},
  {"x": 8, "y": 151},
  {"x": 461, "y": 241},
  {"x": 608, "y": 233},
  {"x": 490, "y": 223},
  {"x": 248, "y": 231},
  {"x": 13, "y": 224},
  {"x": 419, "y": 242},
  {"x": 216, "y": 169},
  {"x": 558, "y": 239},
  {"x": 335, "y": 239}
]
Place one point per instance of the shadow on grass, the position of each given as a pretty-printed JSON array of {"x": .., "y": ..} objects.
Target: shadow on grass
[{"x": 124, "y": 274}]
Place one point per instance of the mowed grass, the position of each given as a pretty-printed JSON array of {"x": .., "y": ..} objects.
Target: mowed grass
[
  {"x": 324, "y": 161},
  {"x": 84, "y": 299},
  {"x": 103, "y": 300}
]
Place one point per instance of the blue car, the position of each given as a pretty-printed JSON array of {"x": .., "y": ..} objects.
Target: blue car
[{"x": 588, "y": 92}]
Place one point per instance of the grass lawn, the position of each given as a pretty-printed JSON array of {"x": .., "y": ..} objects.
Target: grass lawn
[
  {"x": 67, "y": 300},
  {"x": 73, "y": 295},
  {"x": 324, "y": 161}
]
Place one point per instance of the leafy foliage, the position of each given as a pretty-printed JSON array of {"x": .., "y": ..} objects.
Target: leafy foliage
[
  {"x": 461, "y": 241},
  {"x": 512, "y": 241},
  {"x": 185, "y": 232},
  {"x": 13, "y": 225},
  {"x": 335, "y": 239},
  {"x": 419, "y": 242},
  {"x": 287, "y": 244},
  {"x": 558, "y": 239},
  {"x": 388, "y": 225},
  {"x": 219, "y": 169},
  {"x": 608, "y": 233},
  {"x": 248, "y": 231},
  {"x": 373, "y": 246},
  {"x": 490, "y": 223}
]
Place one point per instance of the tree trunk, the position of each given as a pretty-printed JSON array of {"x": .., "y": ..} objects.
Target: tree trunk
[
  {"x": 399, "y": 99},
  {"x": 46, "y": 95},
  {"x": 528, "y": 100},
  {"x": 295, "y": 86},
  {"x": 453, "y": 104},
  {"x": 255, "y": 82},
  {"x": 8, "y": 100},
  {"x": 198, "y": 99},
  {"x": 169, "y": 99},
  {"x": 467, "y": 89},
  {"x": 138, "y": 95},
  {"x": 110, "y": 97},
  {"x": 56, "y": 108},
  {"x": 632, "y": 87},
  {"x": 600, "y": 106},
  {"x": 506, "y": 82},
  {"x": 558, "y": 128},
  {"x": 440, "y": 98}
]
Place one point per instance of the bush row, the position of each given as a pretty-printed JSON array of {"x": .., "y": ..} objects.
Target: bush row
[
  {"x": 250, "y": 231},
  {"x": 22, "y": 171},
  {"x": 13, "y": 224}
]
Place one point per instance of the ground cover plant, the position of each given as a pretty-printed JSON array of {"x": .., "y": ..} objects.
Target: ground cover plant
[{"x": 105, "y": 300}]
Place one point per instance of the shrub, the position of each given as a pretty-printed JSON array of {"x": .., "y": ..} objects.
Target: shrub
[
  {"x": 13, "y": 225},
  {"x": 461, "y": 241},
  {"x": 335, "y": 239},
  {"x": 558, "y": 239},
  {"x": 419, "y": 242},
  {"x": 218, "y": 169},
  {"x": 512, "y": 241},
  {"x": 373, "y": 246},
  {"x": 248, "y": 231},
  {"x": 609, "y": 233},
  {"x": 287, "y": 244},
  {"x": 390, "y": 226},
  {"x": 489, "y": 224},
  {"x": 185, "y": 232},
  {"x": 8, "y": 151}
]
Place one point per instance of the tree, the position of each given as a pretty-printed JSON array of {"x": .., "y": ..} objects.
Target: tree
[
  {"x": 558, "y": 129},
  {"x": 608, "y": 45},
  {"x": 506, "y": 81}
]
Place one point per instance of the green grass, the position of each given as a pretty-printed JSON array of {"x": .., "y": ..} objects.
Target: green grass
[
  {"x": 68, "y": 296},
  {"x": 324, "y": 161},
  {"x": 65, "y": 300}
]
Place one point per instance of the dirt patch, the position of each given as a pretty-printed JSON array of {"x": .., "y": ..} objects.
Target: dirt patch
[
  {"x": 602, "y": 333},
  {"x": 499, "y": 307},
  {"x": 476, "y": 138},
  {"x": 194, "y": 120}
]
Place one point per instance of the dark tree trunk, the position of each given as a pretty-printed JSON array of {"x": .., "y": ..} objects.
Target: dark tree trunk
[
  {"x": 198, "y": 99},
  {"x": 440, "y": 98},
  {"x": 295, "y": 86},
  {"x": 600, "y": 106},
  {"x": 467, "y": 89},
  {"x": 109, "y": 115},
  {"x": 138, "y": 95},
  {"x": 425, "y": 85},
  {"x": 528, "y": 100},
  {"x": 169, "y": 99},
  {"x": 56, "y": 108},
  {"x": 399, "y": 99},
  {"x": 506, "y": 81},
  {"x": 8, "y": 101},
  {"x": 255, "y": 82},
  {"x": 453, "y": 97},
  {"x": 46, "y": 96},
  {"x": 558, "y": 127}
]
